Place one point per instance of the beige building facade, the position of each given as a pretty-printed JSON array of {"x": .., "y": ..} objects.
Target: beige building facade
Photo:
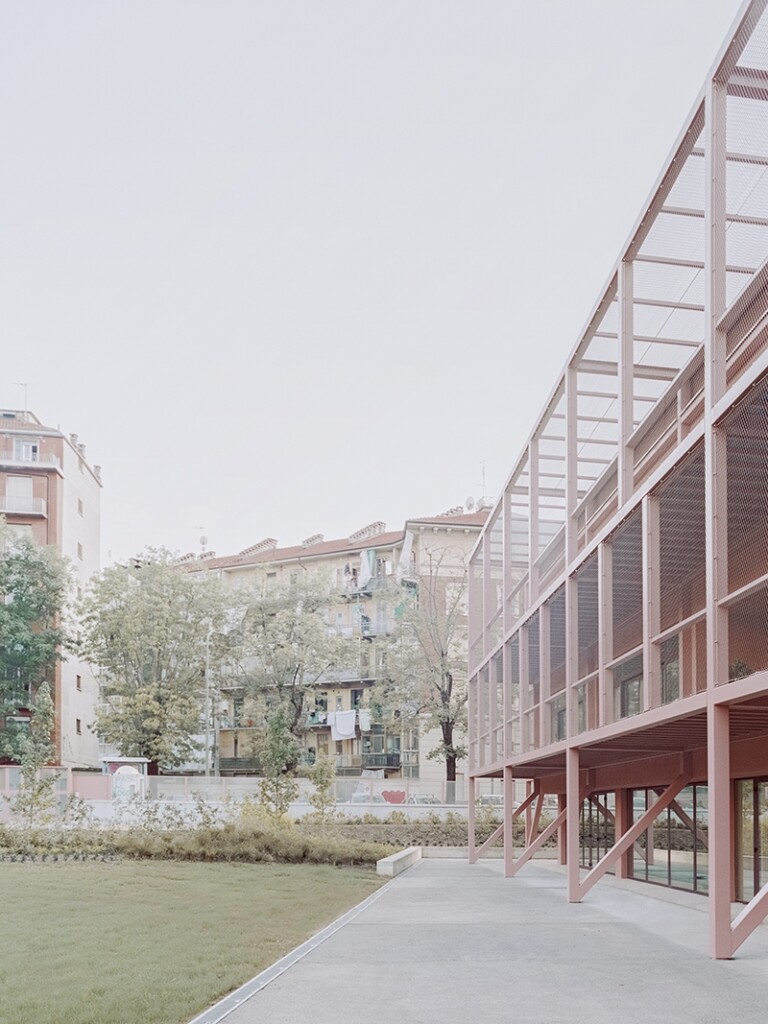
[
  {"x": 51, "y": 494},
  {"x": 365, "y": 571}
]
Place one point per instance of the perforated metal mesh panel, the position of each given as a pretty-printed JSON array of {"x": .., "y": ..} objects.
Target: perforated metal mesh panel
[
  {"x": 587, "y": 612},
  {"x": 513, "y": 708},
  {"x": 747, "y": 488},
  {"x": 682, "y": 539},
  {"x": 556, "y": 606},
  {"x": 497, "y": 697},
  {"x": 627, "y": 555},
  {"x": 534, "y": 659},
  {"x": 748, "y": 635}
]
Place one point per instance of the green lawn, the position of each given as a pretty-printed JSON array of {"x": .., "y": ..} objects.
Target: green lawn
[{"x": 147, "y": 942}]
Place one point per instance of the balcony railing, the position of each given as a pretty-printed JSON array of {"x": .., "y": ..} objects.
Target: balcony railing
[
  {"x": 252, "y": 765},
  {"x": 352, "y": 587},
  {"x": 368, "y": 761},
  {"x": 29, "y": 458},
  {"x": 20, "y": 504}
]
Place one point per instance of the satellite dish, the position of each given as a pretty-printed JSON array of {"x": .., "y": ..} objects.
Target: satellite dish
[
  {"x": 470, "y": 503},
  {"x": 203, "y": 542}
]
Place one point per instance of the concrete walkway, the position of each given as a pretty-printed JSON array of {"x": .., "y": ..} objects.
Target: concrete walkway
[{"x": 447, "y": 942}]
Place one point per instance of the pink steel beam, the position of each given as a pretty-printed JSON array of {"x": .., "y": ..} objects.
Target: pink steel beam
[
  {"x": 542, "y": 838},
  {"x": 536, "y": 845},
  {"x": 749, "y": 918},
  {"x": 633, "y": 834},
  {"x": 605, "y": 809},
  {"x": 488, "y": 842}
]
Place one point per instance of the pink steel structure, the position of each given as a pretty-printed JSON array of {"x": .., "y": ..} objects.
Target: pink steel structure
[{"x": 619, "y": 591}]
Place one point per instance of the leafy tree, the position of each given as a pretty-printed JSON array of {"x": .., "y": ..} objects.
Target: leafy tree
[
  {"x": 426, "y": 676},
  {"x": 152, "y": 629},
  {"x": 286, "y": 648},
  {"x": 33, "y": 583},
  {"x": 322, "y": 775},
  {"x": 277, "y": 750},
  {"x": 35, "y": 799}
]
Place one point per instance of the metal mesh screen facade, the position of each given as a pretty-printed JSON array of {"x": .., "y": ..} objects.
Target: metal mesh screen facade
[{"x": 627, "y": 569}]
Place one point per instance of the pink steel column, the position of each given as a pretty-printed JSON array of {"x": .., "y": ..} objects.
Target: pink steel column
[
  {"x": 651, "y": 603},
  {"x": 626, "y": 384},
  {"x": 605, "y": 632},
  {"x": 471, "y": 797},
  {"x": 720, "y": 832},
  {"x": 573, "y": 808},
  {"x": 533, "y": 521},
  {"x": 506, "y": 567},
  {"x": 562, "y": 832},
  {"x": 571, "y": 463},
  {"x": 545, "y": 732},
  {"x": 509, "y": 819},
  {"x": 718, "y": 731},
  {"x": 623, "y": 821}
]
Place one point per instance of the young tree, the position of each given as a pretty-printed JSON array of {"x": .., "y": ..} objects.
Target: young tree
[
  {"x": 153, "y": 629},
  {"x": 278, "y": 750},
  {"x": 33, "y": 584},
  {"x": 35, "y": 800},
  {"x": 287, "y": 647},
  {"x": 426, "y": 674}
]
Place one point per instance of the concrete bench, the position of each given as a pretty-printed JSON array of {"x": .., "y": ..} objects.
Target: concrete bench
[{"x": 397, "y": 862}]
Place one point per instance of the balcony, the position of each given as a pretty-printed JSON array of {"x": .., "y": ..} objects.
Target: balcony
[
  {"x": 352, "y": 588},
  {"x": 17, "y": 504},
  {"x": 27, "y": 458},
  {"x": 239, "y": 766},
  {"x": 353, "y": 764}
]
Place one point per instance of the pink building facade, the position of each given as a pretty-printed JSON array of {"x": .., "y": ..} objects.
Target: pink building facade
[{"x": 619, "y": 591}]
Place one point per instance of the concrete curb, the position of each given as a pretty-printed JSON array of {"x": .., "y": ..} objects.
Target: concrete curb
[
  {"x": 229, "y": 1003},
  {"x": 398, "y": 862}
]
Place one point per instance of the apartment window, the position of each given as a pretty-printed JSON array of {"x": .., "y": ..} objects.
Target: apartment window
[
  {"x": 25, "y": 451},
  {"x": 80, "y": 552},
  {"x": 357, "y": 698},
  {"x": 18, "y": 494},
  {"x": 271, "y": 580},
  {"x": 78, "y": 727},
  {"x": 80, "y": 508},
  {"x": 78, "y": 682}
]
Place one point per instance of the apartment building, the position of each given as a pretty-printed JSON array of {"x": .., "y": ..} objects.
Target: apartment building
[
  {"x": 51, "y": 494},
  {"x": 364, "y": 569},
  {"x": 619, "y": 591}
]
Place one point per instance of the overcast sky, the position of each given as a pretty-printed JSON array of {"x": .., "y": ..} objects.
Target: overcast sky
[{"x": 290, "y": 267}]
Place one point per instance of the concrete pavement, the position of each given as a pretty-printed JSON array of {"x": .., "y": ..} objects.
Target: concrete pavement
[{"x": 449, "y": 942}]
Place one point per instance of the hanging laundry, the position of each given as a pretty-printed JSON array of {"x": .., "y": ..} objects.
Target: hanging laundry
[
  {"x": 332, "y": 722},
  {"x": 364, "y": 720},
  {"x": 344, "y": 724},
  {"x": 365, "y": 574}
]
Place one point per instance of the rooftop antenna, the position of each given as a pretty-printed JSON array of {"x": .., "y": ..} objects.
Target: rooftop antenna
[
  {"x": 482, "y": 468},
  {"x": 22, "y": 384}
]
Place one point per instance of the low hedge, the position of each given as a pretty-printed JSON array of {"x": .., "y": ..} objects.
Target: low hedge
[{"x": 225, "y": 843}]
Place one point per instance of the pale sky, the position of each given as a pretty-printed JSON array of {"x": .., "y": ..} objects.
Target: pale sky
[{"x": 291, "y": 266}]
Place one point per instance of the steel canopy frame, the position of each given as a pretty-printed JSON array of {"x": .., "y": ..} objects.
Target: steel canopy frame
[{"x": 677, "y": 338}]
